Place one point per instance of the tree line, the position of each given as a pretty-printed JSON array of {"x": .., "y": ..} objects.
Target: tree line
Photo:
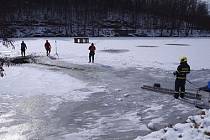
[{"x": 91, "y": 17}]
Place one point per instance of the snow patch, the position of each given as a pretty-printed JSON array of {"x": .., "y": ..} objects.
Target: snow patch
[{"x": 30, "y": 81}]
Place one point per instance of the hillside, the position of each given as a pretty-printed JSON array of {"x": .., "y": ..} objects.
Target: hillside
[{"x": 30, "y": 18}]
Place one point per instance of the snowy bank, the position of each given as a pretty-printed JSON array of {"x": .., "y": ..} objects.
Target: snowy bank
[{"x": 196, "y": 128}]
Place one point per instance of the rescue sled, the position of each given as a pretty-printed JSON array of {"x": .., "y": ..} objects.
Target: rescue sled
[
  {"x": 159, "y": 89},
  {"x": 199, "y": 98}
]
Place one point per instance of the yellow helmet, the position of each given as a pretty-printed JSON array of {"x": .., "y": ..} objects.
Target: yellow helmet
[{"x": 183, "y": 59}]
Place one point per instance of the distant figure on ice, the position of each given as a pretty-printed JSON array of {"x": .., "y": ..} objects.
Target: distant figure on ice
[
  {"x": 23, "y": 49},
  {"x": 47, "y": 47},
  {"x": 92, "y": 49},
  {"x": 1, "y": 69},
  {"x": 182, "y": 70}
]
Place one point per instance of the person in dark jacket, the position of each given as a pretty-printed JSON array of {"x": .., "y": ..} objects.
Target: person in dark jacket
[
  {"x": 47, "y": 47},
  {"x": 182, "y": 70},
  {"x": 1, "y": 69},
  {"x": 92, "y": 49},
  {"x": 23, "y": 49}
]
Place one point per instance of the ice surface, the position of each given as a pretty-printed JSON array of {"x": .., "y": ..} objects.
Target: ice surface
[{"x": 53, "y": 103}]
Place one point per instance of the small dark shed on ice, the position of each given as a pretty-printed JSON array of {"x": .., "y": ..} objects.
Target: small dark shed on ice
[{"x": 81, "y": 40}]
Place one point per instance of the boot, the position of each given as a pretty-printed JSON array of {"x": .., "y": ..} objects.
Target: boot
[
  {"x": 176, "y": 95},
  {"x": 182, "y": 94}
]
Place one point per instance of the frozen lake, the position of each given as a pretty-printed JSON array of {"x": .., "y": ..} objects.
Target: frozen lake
[{"x": 77, "y": 100}]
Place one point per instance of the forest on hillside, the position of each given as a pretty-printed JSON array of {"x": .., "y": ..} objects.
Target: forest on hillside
[{"x": 28, "y": 18}]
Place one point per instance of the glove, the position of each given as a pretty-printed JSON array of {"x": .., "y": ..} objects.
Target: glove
[{"x": 175, "y": 73}]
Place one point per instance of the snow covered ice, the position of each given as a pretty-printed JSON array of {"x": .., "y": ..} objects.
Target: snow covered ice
[{"x": 72, "y": 99}]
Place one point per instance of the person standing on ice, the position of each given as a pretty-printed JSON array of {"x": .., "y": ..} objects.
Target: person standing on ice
[
  {"x": 1, "y": 69},
  {"x": 182, "y": 70},
  {"x": 23, "y": 49},
  {"x": 92, "y": 49},
  {"x": 47, "y": 47}
]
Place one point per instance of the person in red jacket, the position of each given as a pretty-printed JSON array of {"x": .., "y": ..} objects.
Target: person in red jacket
[
  {"x": 92, "y": 49},
  {"x": 47, "y": 47}
]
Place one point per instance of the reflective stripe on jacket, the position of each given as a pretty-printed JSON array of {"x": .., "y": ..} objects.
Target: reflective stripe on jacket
[{"x": 182, "y": 70}]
